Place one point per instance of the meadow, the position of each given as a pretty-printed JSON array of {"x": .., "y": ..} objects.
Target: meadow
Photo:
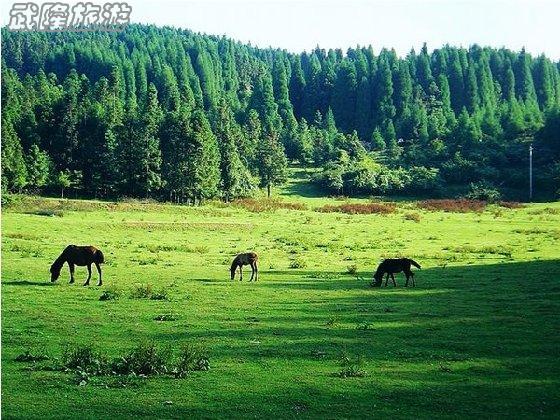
[{"x": 477, "y": 337}]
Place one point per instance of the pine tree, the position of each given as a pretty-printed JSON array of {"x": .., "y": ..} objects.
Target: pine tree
[{"x": 271, "y": 162}]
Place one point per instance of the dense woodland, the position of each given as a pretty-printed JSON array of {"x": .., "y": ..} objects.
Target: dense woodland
[{"x": 174, "y": 115}]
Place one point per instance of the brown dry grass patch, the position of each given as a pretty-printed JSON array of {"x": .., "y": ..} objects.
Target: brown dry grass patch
[
  {"x": 460, "y": 205},
  {"x": 267, "y": 205},
  {"x": 359, "y": 208}
]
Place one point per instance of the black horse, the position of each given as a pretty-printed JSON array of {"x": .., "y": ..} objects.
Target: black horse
[
  {"x": 78, "y": 255},
  {"x": 392, "y": 266}
]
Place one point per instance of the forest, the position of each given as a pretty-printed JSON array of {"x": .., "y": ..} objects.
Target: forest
[{"x": 173, "y": 115}]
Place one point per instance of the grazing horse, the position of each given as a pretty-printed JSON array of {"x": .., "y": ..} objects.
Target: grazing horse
[
  {"x": 248, "y": 258},
  {"x": 392, "y": 266},
  {"x": 78, "y": 255}
]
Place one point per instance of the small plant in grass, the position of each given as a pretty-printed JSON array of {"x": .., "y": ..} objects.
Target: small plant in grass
[
  {"x": 298, "y": 262},
  {"x": 165, "y": 317},
  {"x": 191, "y": 358},
  {"x": 30, "y": 357},
  {"x": 352, "y": 269},
  {"x": 141, "y": 291},
  {"x": 111, "y": 293},
  {"x": 351, "y": 367},
  {"x": 364, "y": 326},
  {"x": 414, "y": 217},
  {"x": 160, "y": 294}
]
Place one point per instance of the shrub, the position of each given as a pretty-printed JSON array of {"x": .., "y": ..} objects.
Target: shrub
[
  {"x": 298, "y": 262},
  {"x": 415, "y": 217},
  {"x": 191, "y": 358},
  {"x": 359, "y": 208},
  {"x": 146, "y": 359},
  {"x": 484, "y": 192},
  {"x": 458, "y": 205},
  {"x": 84, "y": 359},
  {"x": 424, "y": 179}
]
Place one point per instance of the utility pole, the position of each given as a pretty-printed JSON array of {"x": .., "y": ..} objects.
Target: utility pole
[{"x": 530, "y": 172}]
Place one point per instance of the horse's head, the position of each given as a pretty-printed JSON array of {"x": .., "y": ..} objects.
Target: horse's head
[
  {"x": 55, "y": 272},
  {"x": 377, "y": 279},
  {"x": 232, "y": 271}
]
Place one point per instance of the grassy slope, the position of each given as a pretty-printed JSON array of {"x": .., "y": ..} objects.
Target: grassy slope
[{"x": 478, "y": 336}]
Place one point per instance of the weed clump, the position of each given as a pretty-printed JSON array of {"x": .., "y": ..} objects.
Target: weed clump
[
  {"x": 146, "y": 291},
  {"x": 298, "y": 262},
  {"x": 30, "y": 357},
  {"x": 351, "y": 368},
  {"x": 352, "y": 269},
  {"x": 359, "y": 208},
  {"x": 191, "y": 358},
  {"x": 111, "y": 293},
  {"x": 414, "y": 217}
]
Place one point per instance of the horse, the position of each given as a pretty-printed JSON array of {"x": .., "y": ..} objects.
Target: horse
[
  {"x": 392, "y": 266},
  {"x": 78, "y": 255},
  {"x": 248, "y": 258}
]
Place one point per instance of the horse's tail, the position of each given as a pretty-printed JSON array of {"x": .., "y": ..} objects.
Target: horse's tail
[
  {"x": 100, "y": 258},
  {"x": 414, "y": 263}
]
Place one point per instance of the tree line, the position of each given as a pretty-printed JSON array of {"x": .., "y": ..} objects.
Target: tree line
[{"x": 170, "y": 114}]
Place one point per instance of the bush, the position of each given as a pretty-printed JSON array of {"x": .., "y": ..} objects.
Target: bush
[
  {"x": 484, "y": 192},
  {"x": 359, "y": 208},
  {"x": 146, "y": 359},
  {"x": 84, "y": 359},
  {"x": 424, "y": 179},
  {"x": 191, "y": 358}
]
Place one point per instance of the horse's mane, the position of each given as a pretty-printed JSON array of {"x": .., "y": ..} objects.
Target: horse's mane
[{"x": 59, "y": 262}]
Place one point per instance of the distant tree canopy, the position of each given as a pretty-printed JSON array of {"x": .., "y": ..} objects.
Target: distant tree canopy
[{"x": 170, "y": 114}]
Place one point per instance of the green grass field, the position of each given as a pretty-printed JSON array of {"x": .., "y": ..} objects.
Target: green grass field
[{"x": 478, "y": 337}]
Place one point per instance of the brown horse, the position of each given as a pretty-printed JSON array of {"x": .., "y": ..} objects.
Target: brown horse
[
  {"x": 392, "y": 266},
  {"x": 248, "y": 258},
  {"x": 78, "y": 255}
]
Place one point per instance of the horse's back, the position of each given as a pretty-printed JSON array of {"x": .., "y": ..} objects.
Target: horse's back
[
  {"x": 247, "y": 258},
  {"x": 81, "y": 255}
]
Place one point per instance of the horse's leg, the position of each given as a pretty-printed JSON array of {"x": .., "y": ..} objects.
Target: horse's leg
[
  {"x": 256, "y": 271},
  {"x": 252, "y": 271},
  {"x": 386, "y": 279},
  {"x": 240, "y": 272},
  {"x": 393, "y": 278},
  {"x": 89, "y": 275},
  {"x": 407, "y": 274},
  {"x": 99, "y": 271},
  {"x": 413, "y": 282},
  {"x": 71, "y": 267}
]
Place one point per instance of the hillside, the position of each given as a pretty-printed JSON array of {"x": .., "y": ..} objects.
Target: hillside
[{"x": 175, "y": 115}]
